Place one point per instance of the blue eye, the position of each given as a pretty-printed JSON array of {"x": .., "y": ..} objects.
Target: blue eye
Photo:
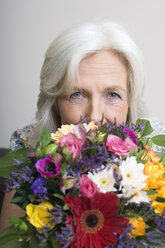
[
  {"x": 75, "y": 95},
  {"x": 113, "y": 95}
]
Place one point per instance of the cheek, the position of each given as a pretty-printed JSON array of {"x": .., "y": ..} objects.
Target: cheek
[
  {"x": 70, "y": 113},
  {"x": 118, "y": 113},
  {"x": 122, "y": 116}
]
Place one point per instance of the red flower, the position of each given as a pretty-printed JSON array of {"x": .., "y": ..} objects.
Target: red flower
[{"x": 96, "y": 223}]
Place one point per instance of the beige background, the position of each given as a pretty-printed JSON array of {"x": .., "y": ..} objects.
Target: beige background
[{"x": 28, "y": 26}]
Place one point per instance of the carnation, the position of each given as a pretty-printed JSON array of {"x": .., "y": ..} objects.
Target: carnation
[
  {"x": 73, "y": 143},
  {"x": 118, "y": 146}
]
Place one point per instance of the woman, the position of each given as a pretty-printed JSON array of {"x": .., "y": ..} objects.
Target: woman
[
  {"x": 60, "y": 70},
  {"x": 89, "y": 71}
]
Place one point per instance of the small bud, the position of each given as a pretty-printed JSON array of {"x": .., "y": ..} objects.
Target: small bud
[
  {"x": 65, "y": 151},
  {"x": 57, "y": 157},
  {"x": 39, "y": 153},
  {"x": 51, "y": 149},
  {"x": 100, "y": 137},
  {"x": 67, "y": 182}
]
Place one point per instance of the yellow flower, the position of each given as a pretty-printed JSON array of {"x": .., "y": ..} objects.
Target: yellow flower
[
  {"x": 64, "y": 130},
  {"x": 159, "y": 206},
  {"x": 37, "y": 214},
  {"x": 139, "y": 226},
  {"x": 92, "y": 125},
  {"x": 155, "y": 173}
]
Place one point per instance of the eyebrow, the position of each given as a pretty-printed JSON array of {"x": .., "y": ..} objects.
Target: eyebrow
[{"x": 112, "y": 88}]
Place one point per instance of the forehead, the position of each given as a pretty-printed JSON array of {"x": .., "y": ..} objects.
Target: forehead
[
  {"x": 106, "y": 66},
  {"x": 104, "y": 60}
]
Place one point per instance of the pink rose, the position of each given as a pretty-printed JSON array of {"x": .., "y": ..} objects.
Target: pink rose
[
  {"x": 118, "y": 146},
  {"x": 87, "y": 187},
  {"x": 73, "y": 143}
]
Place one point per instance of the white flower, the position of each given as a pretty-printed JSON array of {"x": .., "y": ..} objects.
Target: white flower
[
  {"x": 139, "y": 195},
  {"x": 104, "y": 180},
  {"x": 81, "y": 130},
  {"x": 132, "y": 173}
]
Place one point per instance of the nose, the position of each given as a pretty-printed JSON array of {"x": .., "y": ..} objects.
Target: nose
[{"x": 94, "y": 110}]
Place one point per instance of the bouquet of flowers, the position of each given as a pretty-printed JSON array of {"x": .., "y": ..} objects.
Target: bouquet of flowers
[{"x": 88, "y": 186}]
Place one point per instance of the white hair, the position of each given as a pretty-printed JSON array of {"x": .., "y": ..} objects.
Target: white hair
[{"x": 61, "y": 64}]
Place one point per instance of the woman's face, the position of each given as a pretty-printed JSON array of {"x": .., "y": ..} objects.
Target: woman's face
[{"x": 100, "y": 90}]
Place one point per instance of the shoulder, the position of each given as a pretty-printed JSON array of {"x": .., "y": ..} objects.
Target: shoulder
[
  {"x": 19, "y": 137},
  {"x": 159, "y": 128}
]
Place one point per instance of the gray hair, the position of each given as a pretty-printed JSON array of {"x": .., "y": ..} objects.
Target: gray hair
[{"x": 62, "y": 60}]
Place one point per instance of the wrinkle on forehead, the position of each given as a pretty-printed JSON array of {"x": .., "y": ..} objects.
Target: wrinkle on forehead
[
  {"x": 101, "y": 64},
  {"x": 102, "y": 55}
]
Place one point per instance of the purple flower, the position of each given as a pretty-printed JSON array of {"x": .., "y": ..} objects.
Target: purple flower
[
  {"x": 38, "y": 186},
  {"x": 66, "y": 235},
  {"x": 31, "y": 155},
  {"x": 47, "y": 167},
  {"x": 131, "y": 134},
  {"x": 19, "y": 177}
]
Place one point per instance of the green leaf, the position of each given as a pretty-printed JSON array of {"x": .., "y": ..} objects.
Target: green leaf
[
  {"x": 65, "y": 207},
  {"x": 9, "y": 237},
  {"x": 147, "y": 129},
  {"x": 163, "y": 161},
  {"x": 21, "y": 192},
  {"x": 33, "y": 242},
  {"x": 151, "y": 192},
  {"x": 90, "y": 138},
  {"x": 55, "y": 244},
  {"x": 18, "y": 223},
  {"x": 17, "y": 199},
  {"x": 139, "y": 154},
  {"x": 159, "y": 140},
  {"x": 102, "y": 120},
  {"x": 132, "y": 152},
  {"x": 7, "y": 161},
  {"x": 58, "y": 196},
  {"x": 23, "y": 206},
  {"x": 159, "y": 199},
  {"x": 45, "y": 138},
  {"x": 162, "y": 156},
  {"x": 143, "y": 210},
  {"x": 14, "y": 220}
]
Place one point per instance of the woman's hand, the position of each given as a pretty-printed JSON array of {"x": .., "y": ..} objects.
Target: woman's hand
[{"x": 9, "y": 210}]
